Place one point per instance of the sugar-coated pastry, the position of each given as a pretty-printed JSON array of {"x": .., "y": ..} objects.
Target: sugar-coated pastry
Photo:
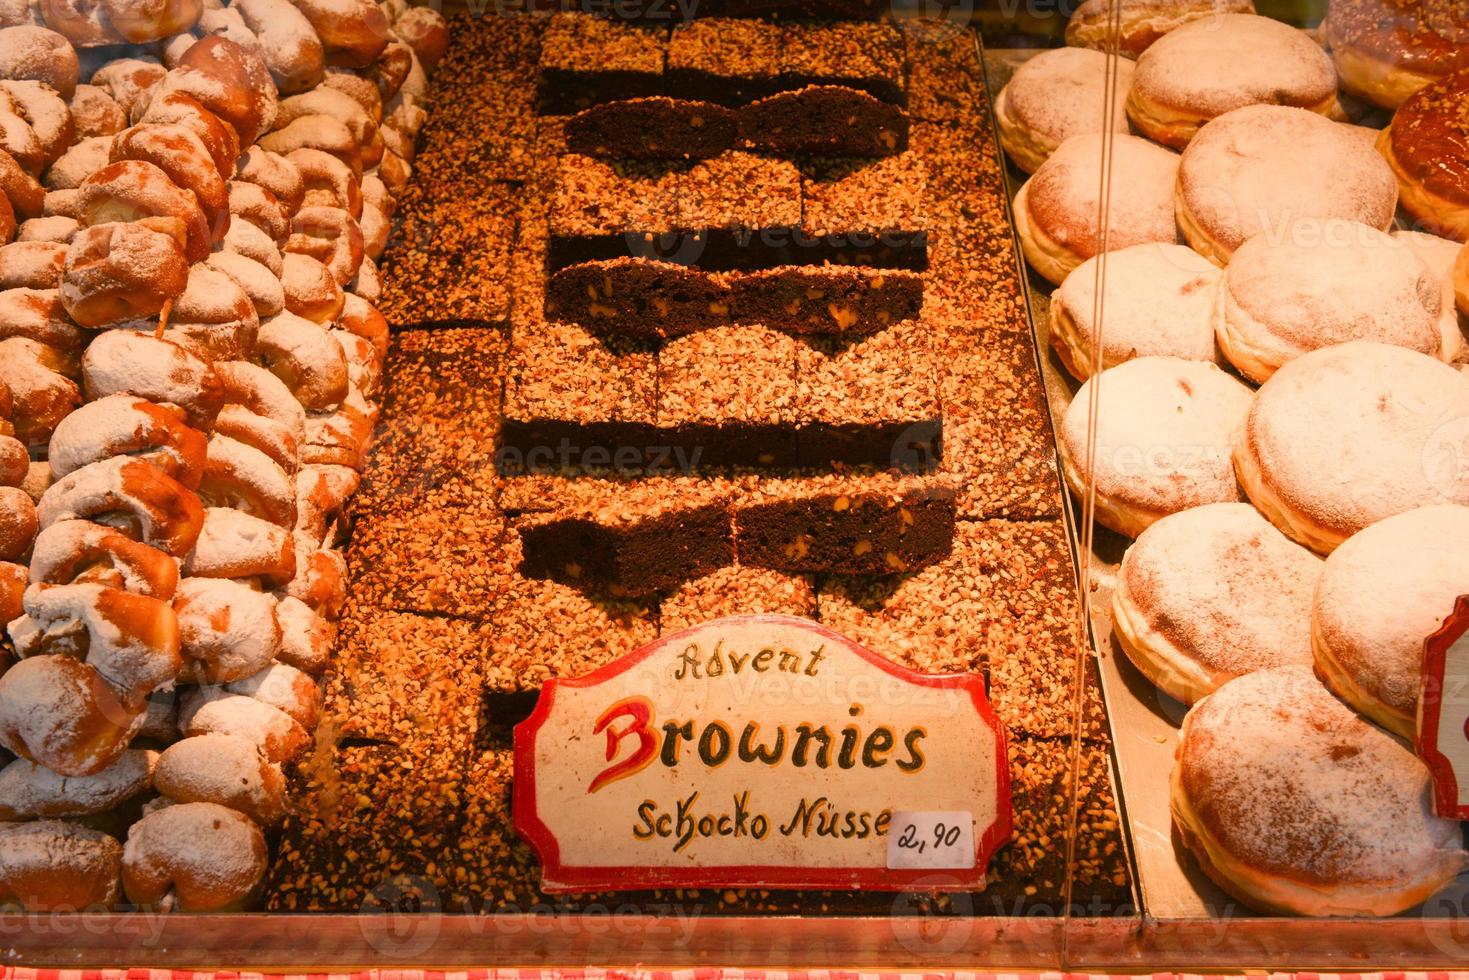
[
  {"x": 46, "y": 113},
  {"x": 125, "y": 362},
  {"x": 215, "y": 710},
  {"x": 243, "y": 478},
  {"x": 52, "y": 865},
  {"x": 83, "y": 552},
  {"x": 1439, "y": 254},
  {"x": 1211, "y": 593},
  {"x": 43, "y": 394},
  {"x": 262, "y": 393},
  {"x": 1382, "y": 593},
  {"x": 94, "y": 112},
  {"x": 1343, "y": 437},
  {"x": 224, "y": 769},
  {"x": 42, "y": 55},
  {"x": 1293, "y": 804},
  {"x": 179, "y": 108},
  {"x": 1461, "y": 281},
  {"x": 424, "y": 30},
  {"x": 1054, "y": 96},
  {"x": 1385, "y": 50},
  {"x": 1257, "y": 168},
  {"x": 120, "y": 271},
  {"x": 32, "y": 265},
  {"x": 1165, "y": 426},
  {"x": 229, "y": 631},
  {"x": 182, "y": 155},
  {"x": 307, "y": 637},
  {"x": 1319, "y": 284},
  {"x": 1425, "y": 145},
  {"x": 213, "y": 318},
  {"x": 18, "y": 523},
  {"x": 132, "y": 189},
  {"x": 1141, "y": 22},
  {"x": 32, "y": 792},
  {"x": 1204, "y": 69},
  {"x": 289, "y": 45},
  {"x": 1158, "y": 300},
  {"x": 61, "y": 713},
  {"x": 1056, "y": 212},
  {"x": 283, "y": 686},
  {"x": 306, "y": 358},
  {"x": 234, "y": 544},
  {"x": 202, "y": 857},
  {"x": 122, "y": 425},
  {"x": 132, "y": 495}
]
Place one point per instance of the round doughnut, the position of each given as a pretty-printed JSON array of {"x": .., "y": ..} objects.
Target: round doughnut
[
  {"x": 206, "y": 857},
  {"x": 43, "y": 394},
  {"x": 277, "y": 734},
  {"x": 1320, "y": 284},
  {"x": 54, "y": 865},
  {"x": 94, "y": 112},
  {"x": 425, "y": 31},
  {"x": 245, "y": 238},
  {"x": 228, "y": 631},
  {"x": 89, "y": 155},
  {"x": 327, "y": 181},
  {"x": 70, "y": 552},
  {"x": 236, "y": 545},
  {"x": 223, "y": 769},
  {"x": 129, "y": 80},
  {"x": 122, "y": 425},
  {"x": 316, "y": 132},
  {"x": 32, "y": 792},
  {"x": 311, "y": 290},
  {"x": 1211, "y": 593},
  {"x": 58, "y": 712},
  {"x": 1439, "y": 254},
  {"x": 1385, "y": 50},
  {"x": 144, "y": 21},
  {"x": 1142, "y": 22},
  {"x": 1053, "y": 97},
  {"x": 273, "y": 172},
  {"x": 330, "y": 236},
  {"x": 1162, "y": 442},
  {"x": 259, "y": 207},
  {"x": 38, "y": 314},
  {"x": 1204, "y": 69},
  {"x": 1427, "y": 147},
  {"x": 291, "y": 48},
  {"x": 1345, "y": 436},
  {"x": 121, "y": 271},
  {"x": 230, "y": 82},
  {"x": 1293, "y": 804},
  {"x": 214, "y": 318},
  {"x": 1158, "y": 300},
  {"x": 1256, "y": 168},
  {"x": 1056, "y": 209},
  {"x": 46, "y": 113},
  {"x": 131, "y": 495},
  {"x": 32, "y": 265},
  {"x": 243, "y": 478},
  {"x": 1386, "y": 589},
  {"x": 134, "y": 189},
  {"x": 263, "y": 287},
  {"x": 125, "y": 362},
  {"x": 39, "y": 54},
  {"x": 324, "y": 101},
  {"x": 18, "y": 524}
]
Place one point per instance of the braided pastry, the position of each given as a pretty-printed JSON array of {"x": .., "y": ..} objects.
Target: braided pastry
[
  {"x": 39, "y": 315},
  {"x": 182, "y": 156},
  {"x": 70, "y": 552},
  {"x": 274, "y": 173},
  {"x": 243, "y": 478},
  {"x": 121, "y": 271},
  {"x": 179, "y": 108},
  {"x": 311, "y": 291},
  {"x": 133, "y": 189},
  {"x": 83, "y": 727},
  {"x": 128, "y": 363},
  {"x": 32, "y": 265},
  {"x": 131, "y": 495},
  {"x": 307, "y": 639},
  {"x": 121, "y": 425},
  {"x": 46, "y": 113},
  {"x": 94, "y": 112},
  {"x": 200, "y": 857},
  {"x": 272, "y": 438},
  {"x": 39, "y": 54},
  {"x": 330, "y": 236},
  {"x": 229, "y": 630},
  {"x": 262, "y": 393},
  {"x": 237, "y": 545},
  {"x": 53, "y": 865},
  {"x": 305, "y": 357},
  {"x": 18, "y": 523},
  {"x": 225, "y": 769},
  {"x": 288, "y": 43},
  {"x": 32, "y": 792},
  {"x": 261, "y": 285},
  {"x": 327, "y": 181},
  {"x": 43, "y": 394},
  {"x": 214, "y": 710}
]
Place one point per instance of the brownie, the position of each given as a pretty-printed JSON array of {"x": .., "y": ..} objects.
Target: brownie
[
  {"x": 825, "y": 300},
  {"x": 877, "y": 524},
  {"x": 586, "y": 60},
  {"x": 432, "y": 559},
  {"x": 637, "y": 542},
  {"x": 449, "y": 374},
  {"x": 637, "y": 298},
  {"x": 447, "y": 262},
  {"x": 604, "y": 210},
  {"x": 573, "y": 402},
  {"x": 868, "y": 212},
  {"x": 490, "y": 868},
  {"x": 945, "y": 75},
  {"x": 830, "y": 120},
  {"x": 836, "y": 9},
  {"x": 746, "y": 208},
  {"x": 730, "y": 62},
  {"x": 656, "y": 128},
  {"x": 727, "y": 397},
  {"x": 736, "y": 590},
  {"x": 874, "y": 401},
  {"x": 861, "y": 56}
]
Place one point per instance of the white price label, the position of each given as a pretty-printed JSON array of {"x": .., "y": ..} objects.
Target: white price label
[{"x": 934, "y": 839}]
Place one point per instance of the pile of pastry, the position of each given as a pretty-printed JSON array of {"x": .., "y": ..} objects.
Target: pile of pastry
[
  {"x": 1266, "y": 329},
  {"x": 193, "y": 198}
]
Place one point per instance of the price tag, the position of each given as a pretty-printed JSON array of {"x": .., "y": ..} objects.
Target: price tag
[{"x": 934, "y": 840}]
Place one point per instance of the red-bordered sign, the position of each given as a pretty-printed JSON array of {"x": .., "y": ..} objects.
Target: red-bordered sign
[
  {"x": 1443, "y": 712},
  {"x": 650, "y": 772}
]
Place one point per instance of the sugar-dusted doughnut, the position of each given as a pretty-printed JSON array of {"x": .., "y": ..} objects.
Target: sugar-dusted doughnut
[
  {"x": 68, "y": 552},
  {"x": 131, "y": 495},
  {"x": 39, "y": 54},
  {"x": 1324, "y": 283},
  {"x": 1165, "y": 426},
  {"x": 1158, "y": 300},
  {"x": 61, "y": 713},
  {"x": 205, "y": 857},
  {"x": 1293, "y": 804},
  {"x": 1259, "y": 167},
  {"x": 1439, "y": 254},
  {"x": 279, "y": 736},
  {"x": 126, "y": 362},
  {"x": 32, "y": 792},
  {"x": 1385, "y": 50},
  {"x": 122, "y": 425},
  {"x": 1054, "y": 96},
  {"x": 121, "y": 270},
  {"x": 238, "y": 545},
  {"x": 1426, "y": 146},
  {"x": 1056, "y": 213},
  {"x": 1386, "y": 589},
  {"x": 1204, "y": 69},
  {"x": 1211, "y": 593},
  {"x": 1141, "y": 22},
  {"x": 55, "y": 865},
  {"x": 225, "y": 769},
  {"x": 1345, "y": 436},
  {"x": 229, "y": 631}
]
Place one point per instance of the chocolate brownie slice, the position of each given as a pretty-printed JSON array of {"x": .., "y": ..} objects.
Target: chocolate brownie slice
[
  {"x": 730, "y": 62},
  {"x": 586, "y": 60},
  {"x": 637, "y": 298},
  {"x": 641, "y": 541},
  {"x": 736, "y": 590},
  {"x": 858, "y": 55},
  {"x": 604, "y": 210},
  {"x": 657, "y": 128},
  {"x": 747, "y": 208},
  {"x": 831, "y": 120},
  {"x": 845, "y": 300},
  {"x": 867, "y": 212},
  {"x": 878, "y": 524}
]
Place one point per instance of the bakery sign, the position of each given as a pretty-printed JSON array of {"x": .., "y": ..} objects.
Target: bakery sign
[
  {"x": 761, "y": 751},
  {"x": 1443, "y": 712}
]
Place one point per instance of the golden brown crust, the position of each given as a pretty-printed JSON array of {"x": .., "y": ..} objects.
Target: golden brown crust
[
  {"x": 1429, "y": 37},
  {"x": 1427, "y": 146}
]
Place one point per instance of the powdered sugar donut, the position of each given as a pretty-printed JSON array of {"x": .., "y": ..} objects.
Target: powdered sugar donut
[
  {"x": 1260, "y": 167},
  {"x": 1158, "y": 300},
  {"x": 1345, "y": 436},
  {"x": 1322, "y": 284},
  {"x": 1056, "y": 213},
  {"x": 223, "y": 769},
  {"x": 1293, "y": 804},
  {"x": 1054, "y": 96},
  {"x": 228, "y": 631},
  {"x": 1209, "y": 594},
  {"x": 1205, "y": 69},
  {"x": 51, "y": 864},
  {"x": 1382, "y": 592},
  {"x": 31, "y": 792},
  {"x": 208, "y": 857},
  {"x": 1141, "y": 22},
  {"x": 1439, "y": 254},
  {"x": 1162, "y": 442}
]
